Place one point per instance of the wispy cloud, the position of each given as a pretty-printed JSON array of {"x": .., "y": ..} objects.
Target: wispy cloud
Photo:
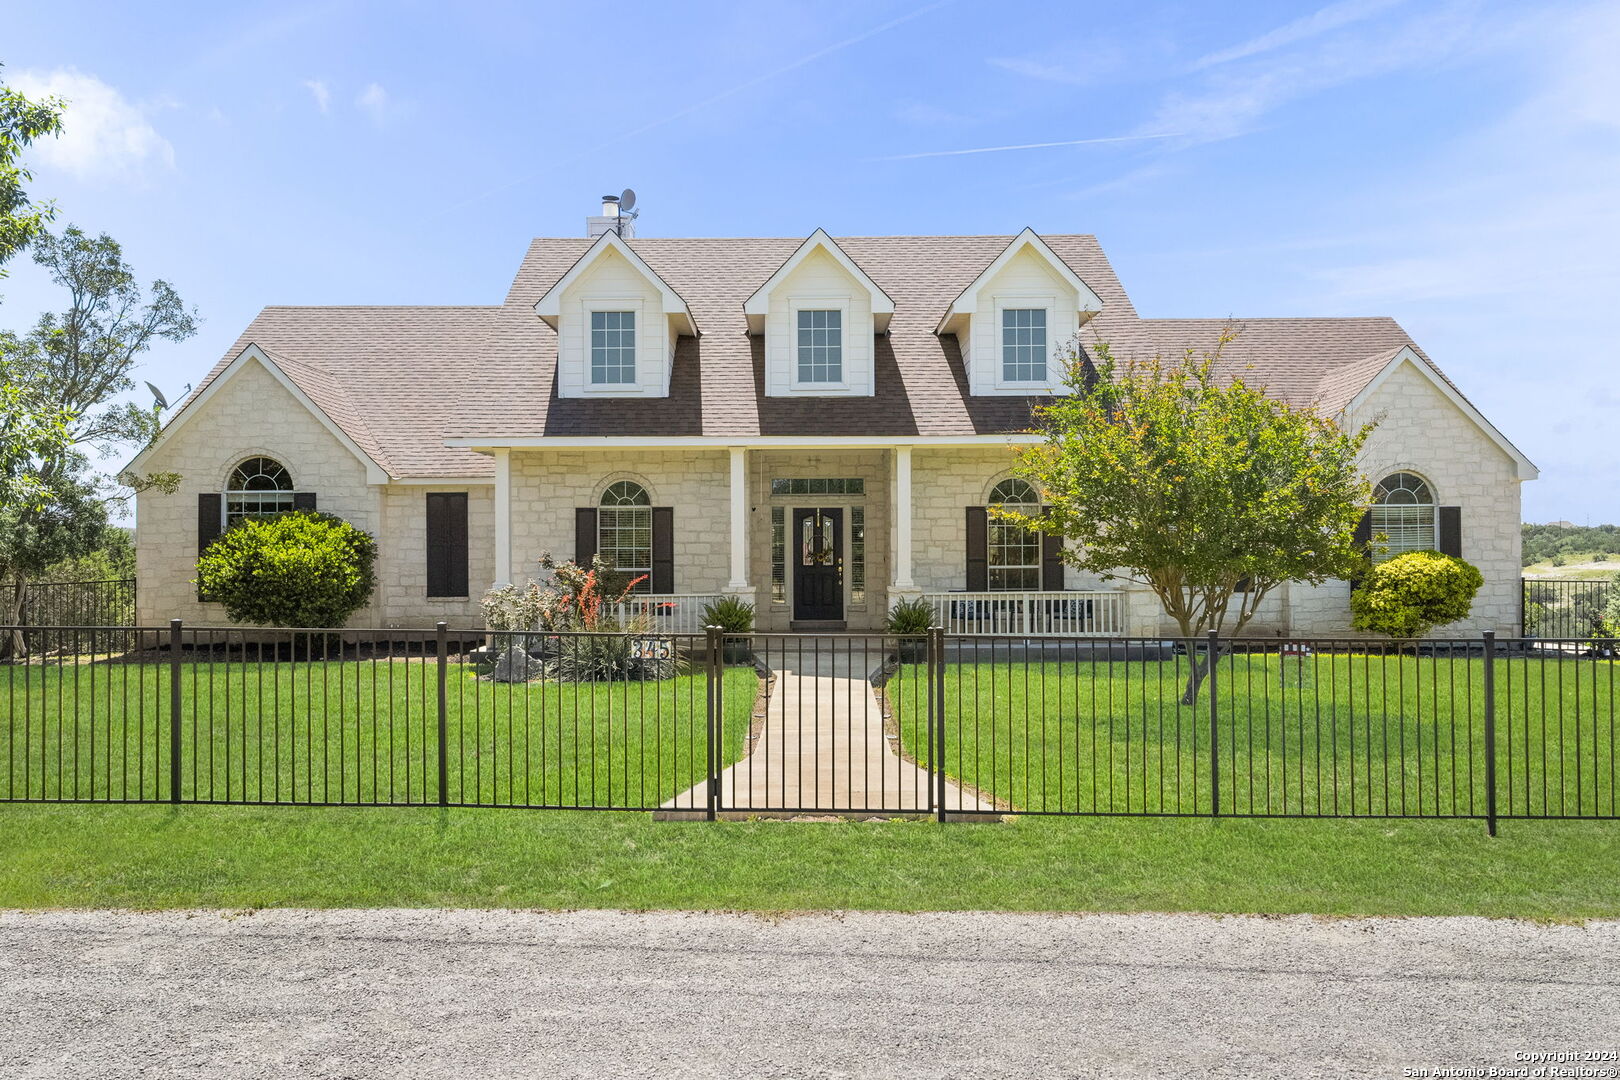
[
  {"x": 374, "y": 100},
  {"x": 104, "y": 135},
  {"x": 320, "y": 92},
  {"x": 1235, "y": 97},
  {"x": 1077, "y": 64},
  {"x": 1318, "y": 22},
  {"x": 1030, "y": 146}
]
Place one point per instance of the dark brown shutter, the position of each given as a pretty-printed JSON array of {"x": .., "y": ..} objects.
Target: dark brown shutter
[
  {"x": 304, "y": 500},
  {"x": 584, "y": 535},
  {"x": 1051, "y": 561},
  {"x": 1449, "y": 540},
  {"x": 978, "y": 549},
  {"x": 663, "y": 549},
  {"x": 208, "y": 518},
  {"x": 447, "y": 543},
  {"x": 209, "y": 507},
  {"x": 1363, "y": 541}
]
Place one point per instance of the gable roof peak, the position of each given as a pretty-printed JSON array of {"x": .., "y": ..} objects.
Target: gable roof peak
[
  {"x": 964, "y": 304},
  {"x": 549, "y": 306},
  {"x": 882, "y": 303}
]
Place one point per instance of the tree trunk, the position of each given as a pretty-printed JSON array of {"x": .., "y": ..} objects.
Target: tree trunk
[
  {"x": 1199, "y": 672},
  {"x": 13, "y": 646}
]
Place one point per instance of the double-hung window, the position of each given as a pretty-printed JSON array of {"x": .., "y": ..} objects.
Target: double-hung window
[
  {"x": 613, "y": 348},
  {"x": 821, "y": 346},
  {"x": 1023, "y": 345}
]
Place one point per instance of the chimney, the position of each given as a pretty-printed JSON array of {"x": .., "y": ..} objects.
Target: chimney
[{"x": 610, "y": 220}]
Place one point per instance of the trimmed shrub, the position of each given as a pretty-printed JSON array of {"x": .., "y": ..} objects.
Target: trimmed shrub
[
  {"x": 1411, "y": 594},
  {"x": 302, "y": 569}
]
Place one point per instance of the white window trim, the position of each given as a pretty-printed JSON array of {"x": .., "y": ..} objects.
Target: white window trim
[
  {"x": 840, "y": 304},
  {"x": 604, "y": 304},
  {"x": 1015, "y": 301}
]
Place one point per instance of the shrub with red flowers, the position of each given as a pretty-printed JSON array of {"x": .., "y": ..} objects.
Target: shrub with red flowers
[{"x": 579, "y": 624}]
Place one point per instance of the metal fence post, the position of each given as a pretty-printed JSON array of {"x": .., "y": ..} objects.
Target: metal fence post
[
  {"x": 1214, "y": 726},
  {"x": 174, "y": 709},
  {"x": 716, "y": 672},
  {"x": 1490, "y": 732},
  {"x": 936, "y": 716},
  {"x": 442, "y": 649}
]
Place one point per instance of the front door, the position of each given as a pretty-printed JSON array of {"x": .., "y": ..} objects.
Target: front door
[{"x": 818, "y": 571}]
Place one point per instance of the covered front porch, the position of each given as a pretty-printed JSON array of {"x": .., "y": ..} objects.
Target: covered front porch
[{"x": 819, "y": 534}]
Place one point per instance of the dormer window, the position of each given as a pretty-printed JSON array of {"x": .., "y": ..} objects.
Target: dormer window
[
  {"x": 819, "y": 315},
  {"x": 617, "y": 323},
  {"x": 613, "y": 348},
  {"x": 1010, "y": 319},
  {"x": 821, "y": 346},
  {"x": 1023, "y": 345}
]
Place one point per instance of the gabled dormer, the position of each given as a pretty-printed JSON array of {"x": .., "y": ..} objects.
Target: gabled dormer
[
  {"x": 1014, "y": 321},
  {"x": 819, "y": 314},
  {"x": 617, "y": 322}
]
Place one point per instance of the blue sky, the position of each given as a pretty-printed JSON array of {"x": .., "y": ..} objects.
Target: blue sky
[{"x": 1453, "y": 164}]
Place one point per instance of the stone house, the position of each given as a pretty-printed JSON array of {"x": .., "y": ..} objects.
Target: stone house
[{"x": 816, "y": 425}]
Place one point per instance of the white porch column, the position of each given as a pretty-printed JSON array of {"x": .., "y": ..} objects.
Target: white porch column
[
  {"x": 902, "y": 520},
  {"x": 503, "y": 516},
  {"x": 739, "y": 520}
]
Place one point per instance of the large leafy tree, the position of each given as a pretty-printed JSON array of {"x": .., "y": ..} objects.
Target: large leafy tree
[
  {"x": 1206, "y": 491},
  {"x": 21, "y": 122},
  {"x": 81, "y": 361}
]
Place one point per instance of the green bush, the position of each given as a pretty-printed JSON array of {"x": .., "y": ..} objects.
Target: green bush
[
  {"x": 730, "y": 614},
  {"x": 911, "y": 617},
  {"x": 300, "y": 569},
  {"x": 1411, "y": 594}
]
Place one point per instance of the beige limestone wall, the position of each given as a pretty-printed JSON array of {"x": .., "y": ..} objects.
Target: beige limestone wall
[
  {"x": 547, "y": 486},
  {"x": 250, "y": 416},
  {"x": 402, "y": 558}
]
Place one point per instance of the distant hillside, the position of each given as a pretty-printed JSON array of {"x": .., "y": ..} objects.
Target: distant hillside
[{"x": 1542, "y": 542}]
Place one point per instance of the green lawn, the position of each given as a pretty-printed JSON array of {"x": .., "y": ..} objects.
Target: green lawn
[
  {"x": 248, "y": 857},
  {"x": 355, "y": 732},
  {"x": 1335, "y": 734}
]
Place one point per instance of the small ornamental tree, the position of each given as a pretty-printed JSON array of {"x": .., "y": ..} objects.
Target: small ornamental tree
[
  {"x": 1165, "y": 474},
  {"x": 1411, "y": 594},
  {"x": 300, "y": 569}
]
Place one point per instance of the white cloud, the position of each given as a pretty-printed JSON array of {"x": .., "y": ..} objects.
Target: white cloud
[
  {"x": 1233, "y": 99},
  {"x": 103, "y": 135},
  {"x": 320, "y": 92},
  {"x": 1318, "y": 22},
  {"x": 374, "y": 100},
  {"x": 1078, "y": 64}
]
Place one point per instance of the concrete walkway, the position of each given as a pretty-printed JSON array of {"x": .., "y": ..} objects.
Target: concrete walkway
[{"x": 823, "y": 747}]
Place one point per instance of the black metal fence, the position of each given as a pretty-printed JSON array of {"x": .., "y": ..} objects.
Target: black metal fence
[
  {"x": 79, "y": 603},
  {"x": 708, "y": 725},
  {"x": 1565, "y": 607}
]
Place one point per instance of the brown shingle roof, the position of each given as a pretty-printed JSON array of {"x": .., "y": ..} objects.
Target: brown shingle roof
[{"x": 401, "y": 380}]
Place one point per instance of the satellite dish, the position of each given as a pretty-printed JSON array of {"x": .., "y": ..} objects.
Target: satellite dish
[
  {"x": 627, "y": 201},
  {"x": 157, "y": 396}
]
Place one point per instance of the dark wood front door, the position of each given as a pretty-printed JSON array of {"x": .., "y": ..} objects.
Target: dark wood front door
[{"x": 818, "y": 569}]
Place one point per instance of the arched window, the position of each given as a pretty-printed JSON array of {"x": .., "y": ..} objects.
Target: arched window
[
  {"x": 259, "y": 487},
  {"x": 624, "y": 531},
  {"x": 1014, "y": 551},
  {"x": 1403, "y": 510}
]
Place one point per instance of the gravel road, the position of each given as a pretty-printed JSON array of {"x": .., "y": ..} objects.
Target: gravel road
[{"x": 612, "y": 994}]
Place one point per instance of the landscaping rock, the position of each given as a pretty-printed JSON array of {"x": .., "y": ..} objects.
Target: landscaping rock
[{"x": 515, "y": 666}]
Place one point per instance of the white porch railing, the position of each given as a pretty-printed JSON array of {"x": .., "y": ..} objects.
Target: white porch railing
[
  {"x": 1048, "y": 614},
  {"x": 672, "y": 613}
]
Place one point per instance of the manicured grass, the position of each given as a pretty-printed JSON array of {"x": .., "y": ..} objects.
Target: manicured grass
[
  {"x": 249, "y": 857},
  {"x": 1337, "y": 734},
  {"x": 355, "y": 732}
]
